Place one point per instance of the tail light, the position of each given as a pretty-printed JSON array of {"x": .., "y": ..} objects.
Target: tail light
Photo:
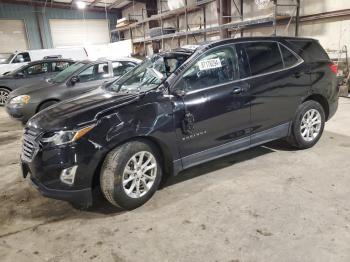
[{"x": 333, "y": 67}]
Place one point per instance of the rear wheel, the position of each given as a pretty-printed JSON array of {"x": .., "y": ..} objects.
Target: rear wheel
[
  {"x": 46, "y": 105},
  {"x": 131, "y": 174},
  {"x": 4, "y": 94},
  {"x": 308, "y": 125}
]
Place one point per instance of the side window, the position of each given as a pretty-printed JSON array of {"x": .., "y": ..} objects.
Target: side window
[
  {"x": 171, "y": 64},
  {"x": 59, "y": 66},
  {"x": 120, "y": 69},
  {"x": 37, "y": 69},
  {"x": 289, "y": 58},
  {"x": 102, "y": 71},
  {"x": 310, "y": 49},
  {"x": 87, "y": 74},
  {"x": 217, "y": 67},
  {"x": 263, "y": 57},
  {"x": 94, "y": 72},
  {"x": 22, "y": 57}
]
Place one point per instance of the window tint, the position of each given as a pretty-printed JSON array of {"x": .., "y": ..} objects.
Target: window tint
[
  {"x": 94, "y": 72},
  {"x": 310, "y": 49},
  {"x": 263, "y": 57},
  {"x": 87, "y": 74},
  {"x": 217, "y": 67},
  {"x": 289, "y": 58},
  {"x": 37, "y": 69},
  {"x": 59, "y": 66}
]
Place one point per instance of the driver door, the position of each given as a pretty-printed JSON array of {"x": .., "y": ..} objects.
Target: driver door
[{"x": 212, "y": 112}]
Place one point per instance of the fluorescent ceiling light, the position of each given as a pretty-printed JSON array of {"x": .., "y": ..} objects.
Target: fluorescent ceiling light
[{"x": 81, "y": 5}]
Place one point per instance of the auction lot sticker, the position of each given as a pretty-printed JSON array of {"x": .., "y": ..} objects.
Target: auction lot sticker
[{"x": 209, "y": 64}]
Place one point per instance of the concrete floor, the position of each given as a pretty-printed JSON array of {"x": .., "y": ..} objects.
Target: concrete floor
[{"x": 270, "y": 203}]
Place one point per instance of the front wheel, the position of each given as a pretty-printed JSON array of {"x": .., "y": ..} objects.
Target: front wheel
[
  {"x": 131, "y": 174},
  {"x": 308, "y": 125},
  {"x": 4, "y": 94}
]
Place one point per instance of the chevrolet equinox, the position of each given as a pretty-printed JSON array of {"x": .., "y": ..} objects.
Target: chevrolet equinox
[{"x": 176, "y": 110}]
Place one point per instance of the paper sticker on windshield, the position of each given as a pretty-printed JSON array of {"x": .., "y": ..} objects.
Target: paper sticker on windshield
[{"x": 209, "y": 64}]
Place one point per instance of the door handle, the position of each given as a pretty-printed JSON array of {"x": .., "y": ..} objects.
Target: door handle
[{"x": 237, "y": 90}]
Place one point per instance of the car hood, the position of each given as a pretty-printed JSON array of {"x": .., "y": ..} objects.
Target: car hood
[
  {"x": 31, "y": 88},
  {"x": 80, "y": 111}
]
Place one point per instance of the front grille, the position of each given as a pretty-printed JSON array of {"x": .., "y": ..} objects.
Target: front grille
[{"x": 30, "y": 146}]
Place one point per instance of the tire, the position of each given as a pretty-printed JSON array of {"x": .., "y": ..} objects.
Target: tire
[
  {"x": 4, "y": 94},
  {"x": 119, "y": 166},
  {"x": 46, "y": 105},
  {"x": 306, "y": 134}
]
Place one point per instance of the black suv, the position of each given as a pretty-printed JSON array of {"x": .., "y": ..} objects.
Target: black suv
[{"x": 176, "y": 110}]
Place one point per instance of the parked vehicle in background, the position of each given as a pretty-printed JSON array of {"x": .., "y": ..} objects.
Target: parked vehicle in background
[
  {"x": 179, "y": 109},
  {"x": 75, "y": 80},
  {"x": 19, "y": 59},
  {"x": 30, "y": 74}
]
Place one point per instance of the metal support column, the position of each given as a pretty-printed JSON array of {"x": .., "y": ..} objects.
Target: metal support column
[
  {"x": 221, "y": 14},
  {"x": 204, "y": 24},
  {"x": 274, "y": 23},
  {"x": 144, "y": 34},
  {"x": 186, "y": 21},
  {"x": 297, "y": 18},
  {"x": 242, "y": 30}
]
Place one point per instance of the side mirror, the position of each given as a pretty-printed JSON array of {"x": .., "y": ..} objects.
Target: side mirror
[{"x": 74, "y": 80}]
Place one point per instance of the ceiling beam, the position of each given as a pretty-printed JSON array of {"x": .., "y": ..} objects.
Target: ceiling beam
[
  {"x": 115, "y": 3},
  {"x": 52, "y": 5},
  {"x": 94, "y": 3}
]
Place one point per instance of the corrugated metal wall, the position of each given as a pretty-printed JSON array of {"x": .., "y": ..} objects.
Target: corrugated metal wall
[{"x": 32, "y": 16}]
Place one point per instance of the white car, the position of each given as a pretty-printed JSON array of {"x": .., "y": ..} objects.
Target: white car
[{"x": 19, "y": 59}]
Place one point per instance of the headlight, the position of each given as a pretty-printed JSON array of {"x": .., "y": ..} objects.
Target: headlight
[
  {"x": 22, "y": 100},
  {"x": 65, "y": 137}
]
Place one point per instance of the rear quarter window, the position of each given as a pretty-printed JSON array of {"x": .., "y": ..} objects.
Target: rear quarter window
[
  {"x": 289, "y": 59},
  {"x": 310, "y": 50}
]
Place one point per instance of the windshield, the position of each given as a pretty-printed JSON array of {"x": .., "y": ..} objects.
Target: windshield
[
  {"x": 148, "y": 75},
  {"x": 63, "y": 75},
  {"x": 4, "y": 60}
]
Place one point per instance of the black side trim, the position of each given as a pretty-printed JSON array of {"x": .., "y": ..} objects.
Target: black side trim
[
  {"x": 262, "y": 137},
  {"x": 215, "y": 152},
  {"x": 270, "y": 134}
]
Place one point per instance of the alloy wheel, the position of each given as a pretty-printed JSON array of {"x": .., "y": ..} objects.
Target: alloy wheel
[
  {"x": 4, "y": 94},
  {"x": 139, "y": 174},
  {"x": 310, "y": 126}
]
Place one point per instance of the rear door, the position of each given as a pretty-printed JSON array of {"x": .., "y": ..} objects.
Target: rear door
[
  {"x": 277, "y": 82},
  {"x": 212, "y": 117}
]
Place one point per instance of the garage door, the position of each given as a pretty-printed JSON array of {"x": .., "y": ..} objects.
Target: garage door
[
  {"x": 79, "y": 32},
  {"x": 13, "y": 36}
]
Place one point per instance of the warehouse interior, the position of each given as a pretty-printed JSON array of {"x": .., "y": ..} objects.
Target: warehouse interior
[{"x": 268, "y": 202}]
